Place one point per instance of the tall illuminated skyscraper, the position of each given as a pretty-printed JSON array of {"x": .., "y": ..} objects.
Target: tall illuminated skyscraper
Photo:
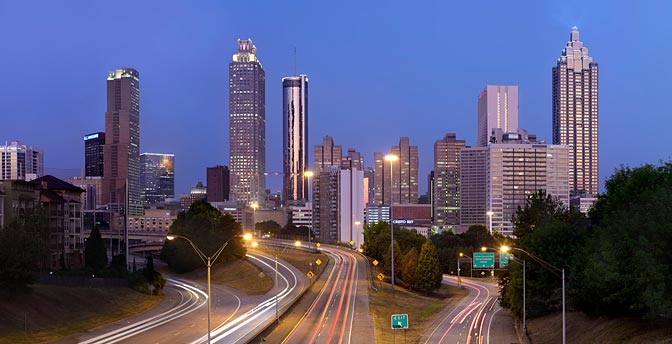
[
  {"x": 404, "y": 181},
  {"x": 295, "y": 138},
  {"x": 247, "y": 125},
  {"x": 497, "y": 108},
  {"x": 122, "y": 140},
  {"x": 575, "y": 113},
  {"x": 446, "y": 184},
  {"x": 157, "y": 178}
]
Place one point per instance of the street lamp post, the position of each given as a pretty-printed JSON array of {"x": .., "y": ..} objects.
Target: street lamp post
[
  {"x": 548, "y": 267},
  {"x": 471, "y": 270},
  {"x": 391, "y": 158},
  {"x": 309, "y": 174},
  {"x": 208, "y": 261},
  {"x": 254, "y": 206},
  {"x": 490, "y": 213}
]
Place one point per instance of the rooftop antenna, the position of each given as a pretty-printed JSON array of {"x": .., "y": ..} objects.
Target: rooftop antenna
[{"x": 294, "y": 61}]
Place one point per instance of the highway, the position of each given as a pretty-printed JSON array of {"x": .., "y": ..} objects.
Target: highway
[
  {"x": 340, "y": 312},
  {"x": 477, "y": 318}
]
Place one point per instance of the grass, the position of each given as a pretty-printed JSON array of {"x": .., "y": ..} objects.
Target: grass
[
  {"x": 421, "y": 310},
  {"x": 302, "y": 260},
  {"x": 238, "y": 274},
  {"x": 51, "y": 312},
  {"x": 583, "y": 329}
]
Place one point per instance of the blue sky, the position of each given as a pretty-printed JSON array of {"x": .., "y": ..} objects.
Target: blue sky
[{"x": 377, "y": 70}]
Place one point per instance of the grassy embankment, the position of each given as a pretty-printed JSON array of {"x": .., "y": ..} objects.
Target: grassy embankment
[
  {"x": 51, "y": 312},
  {"x": 583, "y": 329},
  {"x": 421, "y": 310}
]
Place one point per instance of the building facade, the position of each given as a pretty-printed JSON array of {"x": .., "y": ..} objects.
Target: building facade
[
  {"x": 218, "y": 183},
  {"x": 157, "y": 179},
  {"x": 500, "y": 177},
  {"x": 497, "y": 108},
  {"x": 92, "y": 186},
  {"x": 445, "y": 188},
  {"x": 121, "y": 181},
  {"x": 403, "y": 184},
  {"x": 575, "y": 113},
  {"x": 341, "y": 206},
  {"x": 21, "y": 162},
  {"x": 295, "y": 138},
  {"x": 247, "y": 125},
  {"x": 94, "y": 158}
]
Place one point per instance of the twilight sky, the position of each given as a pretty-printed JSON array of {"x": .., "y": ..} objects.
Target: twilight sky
[{"x": 378, "y": 70}]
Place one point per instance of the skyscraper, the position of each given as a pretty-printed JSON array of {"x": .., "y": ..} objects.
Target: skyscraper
[
  {"x": 575, "y": 113},
  {"x": 218, "y": 183},
  {"x": 157, "y": 179},
  {"x": 446, "y": 187},
  {"x": 295, "y": 138},
  {"x": 20, "y": 162},
  {"x": 404, "y": 185},
  {"x": 122, "y": 140},
  {"x": 247, "y": 125},
  {"x": 326, "y": 155},
  {"x": 497, "y": 108},
  {"x": 93, "y": 154}
]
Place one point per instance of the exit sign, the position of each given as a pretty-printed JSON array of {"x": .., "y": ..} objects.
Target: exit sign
[{"x": 399, "y": 321}]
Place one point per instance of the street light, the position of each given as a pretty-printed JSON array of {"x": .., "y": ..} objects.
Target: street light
[
  {"x": 391, "y": 158},
  {"x": 550, "y": 268},
  {"x": 309, "y": 174},
  {"x": 357, "y": 223},
  {"x": 207, "y": 260},
  {"x": 471, "y": 271},
  {"x": 490, "y": 213},
  {"x": 297, "y": 243},
  {"x": 254, "y": 206}
]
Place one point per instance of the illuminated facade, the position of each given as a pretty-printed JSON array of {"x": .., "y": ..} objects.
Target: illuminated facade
[
  {"x": 21, "y": 162},
  {"x": 94, "y": 161},
  {"x": 446, "y": 183},
  {"x": 158, "y": 177},
  {"x": 501, "y": 176},
  {"x": 295, "y": 138},
  {"x": 404, "y": 186},
  {"x": 247, "y": 125},
  {"x": 121, "y": 181},
  {"x": 497, "y": 108},
  {"x": 575, "y": 113}
]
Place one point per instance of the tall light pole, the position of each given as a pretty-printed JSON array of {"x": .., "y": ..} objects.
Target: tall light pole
[
  {"x": 309, "y": 174},
  {"x": 297, "y": 243},
  {"x": 546, "y": 265},
  {"x": 503, "y": 250},
  {"x": 391, "y": 158},
  {"x": 490, "y": 213},
  {"x": 208, "y": 261},
  {"x": 254, "y": 206}
]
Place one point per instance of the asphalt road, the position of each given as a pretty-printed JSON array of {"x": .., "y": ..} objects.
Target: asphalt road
[
  {"x": 477, "y": 318},
  {"x": 340, "y": 311}
]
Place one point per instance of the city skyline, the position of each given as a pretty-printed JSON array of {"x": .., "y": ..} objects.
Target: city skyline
[{"x": 201, "y": 121}]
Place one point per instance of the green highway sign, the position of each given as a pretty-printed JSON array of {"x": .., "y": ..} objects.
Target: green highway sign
[
  {"x": 484, "y": 260},
  {"x": 504, "y": 260},
  {"x": 399, "y": 321}
]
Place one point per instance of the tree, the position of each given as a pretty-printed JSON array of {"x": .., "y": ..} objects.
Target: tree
[
  {"x": 398, "y": 258},
  {"x": 208, "y": 229},
  {"x": 147, "y": 280},
  {"x": 95, "y": 254},
  {"x": 628, "y": 257},
  {"x": 410, "y": 265},
  {"x": 428, "y": 275},
  {"x": 268, "y": 227}
]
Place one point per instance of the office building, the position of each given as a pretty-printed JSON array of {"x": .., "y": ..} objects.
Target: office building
[
  {"x": 218, "y": 183},
  {"x": 326, "y": 155},
  {"x": 497, "y": 108},
  {"x": 295, "y": 139},
  {"x": 500, "y": 177},
  {"x": 575, "y": 113},
  {"x": 247, "y": 125},
  {"x": 157, "y": 179},
  {"x": 403, "y": 184},
  {"x": 92, "y": 186},
  {"x": 21, "y": 162},
  {"x": 341, "y": 207},
  {"x": 446, "y": 182},
  {"x": 121, "y": 153},
  {"x": 94, "y": 161}
]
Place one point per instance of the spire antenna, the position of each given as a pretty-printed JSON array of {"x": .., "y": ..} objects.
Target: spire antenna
[{"x": 294, "y": 61}]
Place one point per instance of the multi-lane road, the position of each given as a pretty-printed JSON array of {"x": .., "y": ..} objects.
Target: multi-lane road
[
  {"x": 477, "y": 318},
  {"x": 340, "y": 312}
]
